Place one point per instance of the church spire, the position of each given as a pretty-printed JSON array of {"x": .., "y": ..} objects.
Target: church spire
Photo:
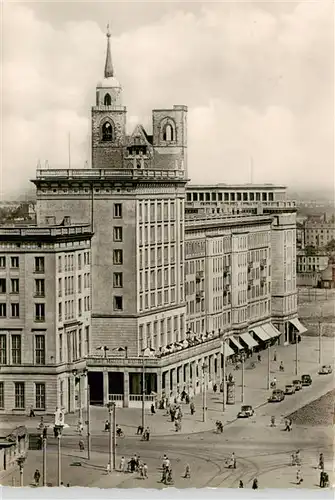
[{"x": 109, "y": 71}]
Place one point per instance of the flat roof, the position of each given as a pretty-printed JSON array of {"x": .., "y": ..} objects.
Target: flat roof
[{"x": 235, "y": 186}]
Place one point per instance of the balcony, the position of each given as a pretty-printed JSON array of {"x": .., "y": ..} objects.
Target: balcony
[
  {"x": 199, "y": 295},
  {"x": 199, "y": 276},
  {"x": 250, "y": 267},
  {"x": 108, "y": 173}
]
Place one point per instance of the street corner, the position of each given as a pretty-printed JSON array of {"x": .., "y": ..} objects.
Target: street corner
[{"x": 304, "y": 477}]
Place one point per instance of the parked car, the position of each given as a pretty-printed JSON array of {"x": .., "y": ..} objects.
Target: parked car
[
  {"x": 325, "y": 370},
  {"x": 277, "y": 396},
  {"x": 289, "y": 389},
  {"x": 246, "y": 412},
  {"x": 297, "y": 384},
  {"x": 306, "y": 380}
]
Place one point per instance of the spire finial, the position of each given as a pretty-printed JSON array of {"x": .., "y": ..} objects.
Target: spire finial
[{"x": 109, "y": 71}]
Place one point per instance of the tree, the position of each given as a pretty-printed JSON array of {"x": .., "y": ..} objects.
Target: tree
[
  {"x": 330, "y": 247},
  {"x": 310, "y": 250}
]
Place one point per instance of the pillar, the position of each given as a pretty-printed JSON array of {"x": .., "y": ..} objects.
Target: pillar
[
  {"x": 167, "y": 383},
  {"x": 106, "y": 387},
  {"x": 159, "y": 384},
  {"x": 187, "y": 376},
  {"x": 125, "y": 389},
  {"x": 174, "y": 380}
]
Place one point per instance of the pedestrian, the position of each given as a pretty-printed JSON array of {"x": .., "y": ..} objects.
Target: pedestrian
[
  {"x": 37, "y": 476},
  {"x": 240, "y": 485},
  {"x": 147, "y": 434},
  {"x": 108, "y": 468},
  {"x": 122, "y": 464},
  {"x": 31, "y": 413},
  {"x": 281, "y": 366},
  {"x": 233, "y": 460},
  {"x": 81, "y": 445},
  {"x": 289, "y": 424},
  {"x": 187, "y": 474},
  {"x": 275, "y": 355},
  {"x": 215, "y": 388},
  {"x": 255, "y": 484},
  {"x": 192, "y": 408},
  {"x": 287, "y": 427},
  {"x": 68, "y": 485},
  {"x": 321, "y": 462},
  {"x": 140, "y": 430},
  {"x": 273, "y": 422},
  {"x": 153, "y": 411},
  {"x": 106, "y": 426},
  {"x": 299, "y": 477},
  {"x": 80, "y": 428},
  {"x": 145, "y": 471}
]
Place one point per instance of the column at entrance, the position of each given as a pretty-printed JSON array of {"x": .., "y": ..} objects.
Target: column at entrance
[
  {"x": 159, "y": 384},
  {"x": 106, "y": 387},
  {"x": 125, "y": 389},
  {"x": 174, "y": 380}
]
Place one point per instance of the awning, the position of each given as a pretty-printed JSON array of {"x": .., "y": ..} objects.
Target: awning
[
  {"x": 296, "y": 323},
  {"x": 270, "y": 330},
  {"x": 236, "y": 343},
  {"x": 258, "y": 330},
  {"x": 247, "y": 338},
  {"x": 228, "y": 350}
]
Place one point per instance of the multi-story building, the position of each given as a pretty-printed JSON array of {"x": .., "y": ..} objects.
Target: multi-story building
[
  {"x": 311, "y": 263},
  {"x": 166, "y": 277},
  {"x": 45, "y": 314},
  {"x": 318, "y": 234}
]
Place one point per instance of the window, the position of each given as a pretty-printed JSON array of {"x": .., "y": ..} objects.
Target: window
[
  {"x": 87, "y": 338},
  {"x": 59, "y": 263},
  {"x": 39, "y": 264},
  {"x": 107, "y": 100},
  {"x": 117, "y": 257},
  {"x": 117, "y": 211},
  {"x": 40, "y": 350},
  {"x": 79, "y": 261},
  {"x": 39, "y": 312},
  {"x": 14, "y": 262},
  {"x": 60, "y": 312},
  {"x": 107, "y": 132},
  {"x": 3, "y": 309},
  {"x": 79, "y": 343},
  {"x": 168, "y": 132},
  {"x": 2, "y": 396},
  {"x": 79, "y": 307},
  {"x": 117, "y": 280},
  {"x": 118, "y": 303},
  {"x": 40, "y": 396},
  {"x": 3, "y": 350},
  {"x": 60, "y": 347},
  {"x": 79, "y": 283},
  {"x": 40, "y": 287},
  {"x": 15, "y": 310},
  {"x": 14, "y": 285},
  {"x": 2, "y": 285},
  {"x": 117, "y": 233},
  {"x": 16, "y": 349},
  {"x": 2, "y": 261},
  {"x": 19, "y": 395}
]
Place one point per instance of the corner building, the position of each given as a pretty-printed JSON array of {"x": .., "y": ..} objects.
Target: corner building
[{"x": 142, "y": 293}]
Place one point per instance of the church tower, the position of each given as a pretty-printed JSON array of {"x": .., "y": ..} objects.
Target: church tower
[{"x": 108, "y": 119}]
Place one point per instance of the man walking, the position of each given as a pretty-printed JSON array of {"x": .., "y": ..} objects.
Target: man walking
[
  {"x": 187, "y": 474},
  {"x": 37, "y": 476}
]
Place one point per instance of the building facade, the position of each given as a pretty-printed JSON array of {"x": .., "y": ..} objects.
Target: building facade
[
  {"x": 177, "y": 271},
  {"x": 318, "y": 234},
  {"x": 45, "y": 311}
]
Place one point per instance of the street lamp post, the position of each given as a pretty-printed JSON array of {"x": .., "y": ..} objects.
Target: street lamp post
[
  {"x": 20, "y": 462},
  {"x": 88, "y": 414},
  {"x": 223, "y": 374},
  {"x": 296, "y": 354},
  {"x": 58, "y": 431},
  {"x": 320, "y": 341},
  {"x": 204, "y": 394},
  {"x": 268, "y": 378},
  {"x": 145, "y": 352},
  {"x": 112, "y": 436},
  {"x": 44, "y": 448},
  {"x": 242, "y": 385}
]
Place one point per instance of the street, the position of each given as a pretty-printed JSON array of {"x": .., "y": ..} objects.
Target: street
[{"x": 262, "y": 452}]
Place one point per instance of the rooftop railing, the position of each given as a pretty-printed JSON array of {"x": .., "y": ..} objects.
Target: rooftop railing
[
  {"x": 45, "y": 231},
  {"x": 108, "y": 173}
]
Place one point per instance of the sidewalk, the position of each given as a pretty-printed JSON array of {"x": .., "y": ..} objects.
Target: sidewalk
[{"x": 255, "y": 393}]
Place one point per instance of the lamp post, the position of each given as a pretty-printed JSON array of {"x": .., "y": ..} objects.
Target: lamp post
[
  {"x": 296, "y": 354},
  {"x": 44, "y": 450},
  {"x": 20, "y": 462},
  {"x": 58, "y": 432},
  {"x": 223, "y": 374},
  {"x": 320, "y": 341},
  {"x": 204, "y": 393},
  {"x": 148, "y": 351},
  {"x": 242, "y": 384},
  {"x": 88, "y": 414},
  {"x": 268, "y": 378},
  {"x": 112, "y": 436}
]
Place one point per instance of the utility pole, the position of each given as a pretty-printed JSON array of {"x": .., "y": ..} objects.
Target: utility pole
[
  {"x": 242, "y": 387},
  {"x": 143, "y": 393},
  {"x": 204, "y": 394},
  {"x": 224, "y": 374},
  {"x": 58, "y": 432},
  {"x": 88, "y": 422},
  {"x": 268, "y": 381},
  {"x": 320, "y": 342},
  {"x": 112, "y": 435},
  {"x": 44, "y": 445},
  {"x": 296, "y": 354}
]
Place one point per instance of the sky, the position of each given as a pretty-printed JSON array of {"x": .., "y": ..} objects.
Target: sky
[{"x": 257, "y": 77}]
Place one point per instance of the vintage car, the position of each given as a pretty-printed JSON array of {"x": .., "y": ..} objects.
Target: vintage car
[
  {"x": 277, "y": 396},
  {"x": 246, "y": 412},
  {"x": 297, "y": 384},
  {"x": 289, "y": 389},
  {"x": 306, "y": 380},
  {"x": 325, "y": 370}
]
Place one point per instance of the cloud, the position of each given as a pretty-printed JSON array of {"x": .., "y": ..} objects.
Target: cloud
[{"x": 257, "y": 82}]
